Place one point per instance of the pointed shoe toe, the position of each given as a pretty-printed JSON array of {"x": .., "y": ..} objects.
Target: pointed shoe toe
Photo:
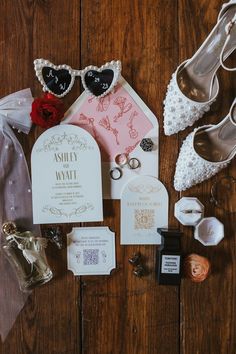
[
  {"x": 180, "y": 111},
  {"x": 194, "y": 86},
  {"x": 192, "y": 169}
]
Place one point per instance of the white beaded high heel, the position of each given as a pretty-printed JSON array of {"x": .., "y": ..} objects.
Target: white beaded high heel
[
  {"x": 206, "y": 151},
  {"x": 194, "y": 85}
]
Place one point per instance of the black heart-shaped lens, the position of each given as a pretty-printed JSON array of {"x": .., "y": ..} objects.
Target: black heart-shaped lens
[
  {"x": 98, "y": 82},
  {"x": 57, "y": 81}
]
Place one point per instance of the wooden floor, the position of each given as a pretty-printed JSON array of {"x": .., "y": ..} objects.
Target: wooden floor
[{"x": 121, "y": 314}]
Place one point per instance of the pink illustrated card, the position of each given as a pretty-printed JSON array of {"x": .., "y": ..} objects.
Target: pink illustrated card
[
  {"x": 115, "y": 121},
  {"x": 118, "y": 122}
]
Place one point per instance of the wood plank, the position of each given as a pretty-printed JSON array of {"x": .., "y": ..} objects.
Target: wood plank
[
  {"x": 208, "y": 309},
  {"x": 120, "y": 313},
  {"x": 49, "y": 323},
  {"x": 123, "y": 314}
]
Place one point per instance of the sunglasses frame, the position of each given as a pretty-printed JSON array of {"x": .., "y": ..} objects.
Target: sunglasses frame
[
  {"x": 39, "y": 64},
  {"x": 113, "y": 65}
]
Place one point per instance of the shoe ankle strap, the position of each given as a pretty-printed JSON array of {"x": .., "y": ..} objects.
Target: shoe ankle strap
[
  {"x": 232, "y": 112},
  {"x": 228, "y": 29}
]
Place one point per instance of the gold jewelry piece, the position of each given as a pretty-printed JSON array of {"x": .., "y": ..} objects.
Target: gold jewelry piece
[
  {"x": 121, "y": 159},
  {"x": 9, "y": 228}
]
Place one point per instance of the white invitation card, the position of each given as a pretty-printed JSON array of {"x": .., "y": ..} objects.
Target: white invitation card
[
  {"x": 66, "y": 177},
  {"x": 91, "y": 250},
  {"x": 144, "y": 208}
]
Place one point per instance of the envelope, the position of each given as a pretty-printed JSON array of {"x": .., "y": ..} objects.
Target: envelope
[{"x": 118, "y": 122}]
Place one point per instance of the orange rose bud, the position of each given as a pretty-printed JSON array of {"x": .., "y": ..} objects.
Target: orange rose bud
[{"x": 196, "y": 267}]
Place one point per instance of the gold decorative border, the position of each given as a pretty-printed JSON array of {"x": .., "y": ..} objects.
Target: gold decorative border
[
  {"x": 74, "y": 212},
  {"x": 144, "y": 188},
  {"x": 56, "y": 140}
]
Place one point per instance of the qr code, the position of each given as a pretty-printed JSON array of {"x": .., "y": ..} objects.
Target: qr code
[
  {"x": 90, "y": 257},
  {"x": 144, "y": 219}
]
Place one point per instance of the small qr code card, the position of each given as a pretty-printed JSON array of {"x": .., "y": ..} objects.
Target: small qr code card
[
  {"x": 144, "y": 208},
  {"x": 91, "y": 250}
]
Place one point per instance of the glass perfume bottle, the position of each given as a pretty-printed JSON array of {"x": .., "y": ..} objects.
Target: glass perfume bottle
[{"x": 26, "y": 254}]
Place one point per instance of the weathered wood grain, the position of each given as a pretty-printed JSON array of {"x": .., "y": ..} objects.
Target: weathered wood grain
[
  {"x": 50, "y": 321},
  {"x": 123, "y": 314},
  {"x": 208, "y": 309}
]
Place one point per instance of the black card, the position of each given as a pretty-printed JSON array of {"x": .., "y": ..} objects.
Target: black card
[
  {"x": 98, "y": 82},
  {"x": 57, "y": 81}
]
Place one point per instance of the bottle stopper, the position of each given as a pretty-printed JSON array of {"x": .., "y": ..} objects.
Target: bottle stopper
[{"x": 9, "y": 228}]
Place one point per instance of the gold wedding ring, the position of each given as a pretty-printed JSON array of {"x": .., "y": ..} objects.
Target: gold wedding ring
[{"x": 121, "y": 159}]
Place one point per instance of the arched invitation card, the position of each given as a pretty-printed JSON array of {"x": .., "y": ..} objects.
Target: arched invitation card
[
  {"x": 144, "y": 208},
  {"x": 66, "y": 176}
]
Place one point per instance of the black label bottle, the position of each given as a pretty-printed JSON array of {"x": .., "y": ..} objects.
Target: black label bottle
[{"x": 169, "y": 260}]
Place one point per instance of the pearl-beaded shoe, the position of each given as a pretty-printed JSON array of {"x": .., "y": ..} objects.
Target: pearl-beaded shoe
[
  {"x": 194, "y": 86},
  {"x": 206, "y": 151}
]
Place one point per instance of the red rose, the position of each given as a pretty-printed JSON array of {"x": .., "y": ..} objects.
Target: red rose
[{"x": 47, "y": 111}]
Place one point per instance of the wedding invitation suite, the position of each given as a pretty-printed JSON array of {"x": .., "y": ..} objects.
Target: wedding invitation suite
[
  {"x": 118, "y": 122},
  {"x": 91, "y": 250},
  {"x": 66, "y": 176},
  {"x": 144, "y": 208}
]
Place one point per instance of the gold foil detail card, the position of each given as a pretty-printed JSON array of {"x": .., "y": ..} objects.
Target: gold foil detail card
[{"x": 144, "y": 208}]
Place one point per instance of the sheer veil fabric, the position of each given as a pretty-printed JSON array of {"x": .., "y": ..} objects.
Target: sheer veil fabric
[{"x": 15, "y": 194}]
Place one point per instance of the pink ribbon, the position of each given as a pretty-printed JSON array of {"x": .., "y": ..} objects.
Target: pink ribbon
[{"x": 15, "y": 194}]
